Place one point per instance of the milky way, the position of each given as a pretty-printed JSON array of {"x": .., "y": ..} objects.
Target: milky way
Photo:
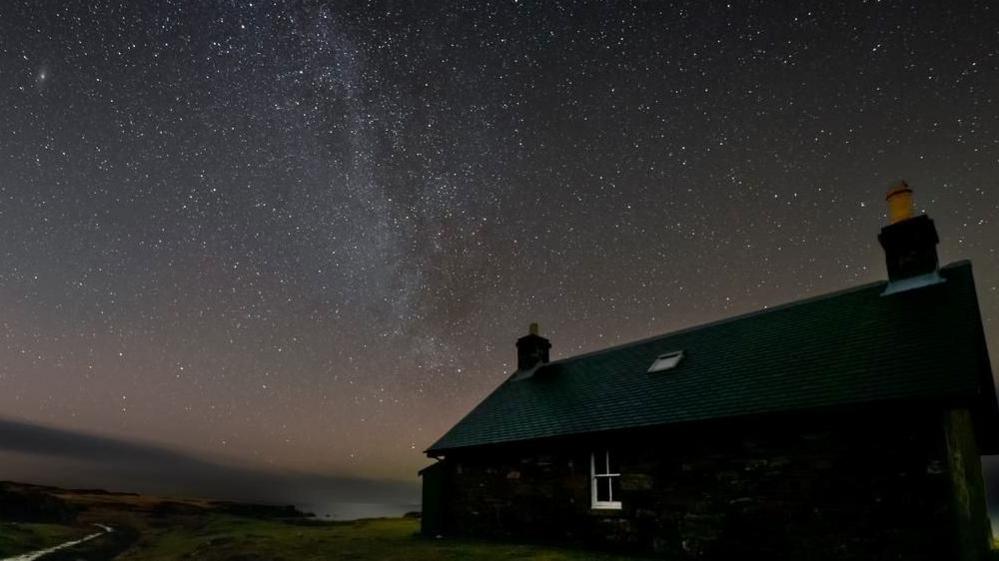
[{"x": 304, "y": 236}]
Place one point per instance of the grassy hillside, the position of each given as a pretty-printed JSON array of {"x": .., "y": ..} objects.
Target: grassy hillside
[{"x": 20, "y": 538}]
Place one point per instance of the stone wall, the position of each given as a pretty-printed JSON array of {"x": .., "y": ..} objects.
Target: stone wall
[
  {"x": 965, "y": 467},
  {"x": 851, "y": 485}
]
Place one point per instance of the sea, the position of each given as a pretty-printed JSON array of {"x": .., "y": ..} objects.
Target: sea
[{"x": 356, "y": 511}]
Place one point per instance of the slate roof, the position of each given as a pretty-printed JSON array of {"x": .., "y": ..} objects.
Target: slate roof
[{"x": 849, "y": 347}]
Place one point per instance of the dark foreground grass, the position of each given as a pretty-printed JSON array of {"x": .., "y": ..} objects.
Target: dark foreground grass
[
  {"x": 21, "y": 538},
  {"x": 225, "y": 538},
  {"x": 106, "y": 547}
]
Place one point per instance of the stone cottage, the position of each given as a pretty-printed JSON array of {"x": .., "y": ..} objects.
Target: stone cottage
[{"x": 845, "y": 426}]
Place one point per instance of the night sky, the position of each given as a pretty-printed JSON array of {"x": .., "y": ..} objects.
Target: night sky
[{"x": 302, "y": 237}]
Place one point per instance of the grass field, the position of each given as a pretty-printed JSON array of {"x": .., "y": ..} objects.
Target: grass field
[
  {"x": 19, "y": 538},
  {"x": 226, "y": 538},
  {"x": 229, "y": 538}
]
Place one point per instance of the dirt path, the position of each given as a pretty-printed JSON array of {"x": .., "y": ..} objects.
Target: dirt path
[{"x": 31, "y": 556}]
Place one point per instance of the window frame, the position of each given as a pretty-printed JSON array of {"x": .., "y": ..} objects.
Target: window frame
[{"x": 605, "y": 474}]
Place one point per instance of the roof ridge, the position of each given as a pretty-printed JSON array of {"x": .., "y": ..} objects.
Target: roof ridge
[
  {"x": 722, "y": 321},
  {"x": 747, "y": 315}
]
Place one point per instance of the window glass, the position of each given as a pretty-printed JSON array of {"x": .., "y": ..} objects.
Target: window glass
[
  {"x": 615, "y": 484},
  {"x": 603, "y": 489},
  {"x": 667, "y": 361}
]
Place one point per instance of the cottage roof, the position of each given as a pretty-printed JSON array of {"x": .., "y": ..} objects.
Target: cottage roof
[{"x": 850, "y": 347}]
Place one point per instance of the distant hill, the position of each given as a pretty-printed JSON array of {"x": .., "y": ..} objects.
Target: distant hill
[{"x": 30, "y": 503}]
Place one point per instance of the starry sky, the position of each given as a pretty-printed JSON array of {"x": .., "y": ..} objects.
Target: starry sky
[{"x": 302, "y": 237}]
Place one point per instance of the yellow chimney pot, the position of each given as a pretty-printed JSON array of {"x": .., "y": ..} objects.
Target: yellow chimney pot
[
  {"x": 899, "y": 203},
  {"x": 533, "y": 329}
]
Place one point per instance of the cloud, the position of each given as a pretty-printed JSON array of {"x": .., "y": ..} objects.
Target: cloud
[
  {"x": 41, "y": 454},
  {"x": 17, "y": 436}
]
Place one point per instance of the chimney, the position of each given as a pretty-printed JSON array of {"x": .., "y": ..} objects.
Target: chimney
[
  {"x": 532, "y": 349},
  {"x": 910, "y": 243}
]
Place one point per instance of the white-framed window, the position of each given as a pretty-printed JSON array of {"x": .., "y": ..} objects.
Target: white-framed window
[{"x": 605, "y": 481}]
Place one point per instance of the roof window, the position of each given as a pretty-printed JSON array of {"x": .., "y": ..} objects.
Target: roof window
[{"x": 666, "y": 361}]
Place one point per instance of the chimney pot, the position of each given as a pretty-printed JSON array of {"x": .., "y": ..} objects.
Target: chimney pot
[{"x": 899, "y": 202}]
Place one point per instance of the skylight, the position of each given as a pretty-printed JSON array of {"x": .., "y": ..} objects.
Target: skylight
[{"x": 666, "y": 361}]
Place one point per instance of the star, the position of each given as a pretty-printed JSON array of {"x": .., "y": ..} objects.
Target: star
[{"x": 315, "y": 232}]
